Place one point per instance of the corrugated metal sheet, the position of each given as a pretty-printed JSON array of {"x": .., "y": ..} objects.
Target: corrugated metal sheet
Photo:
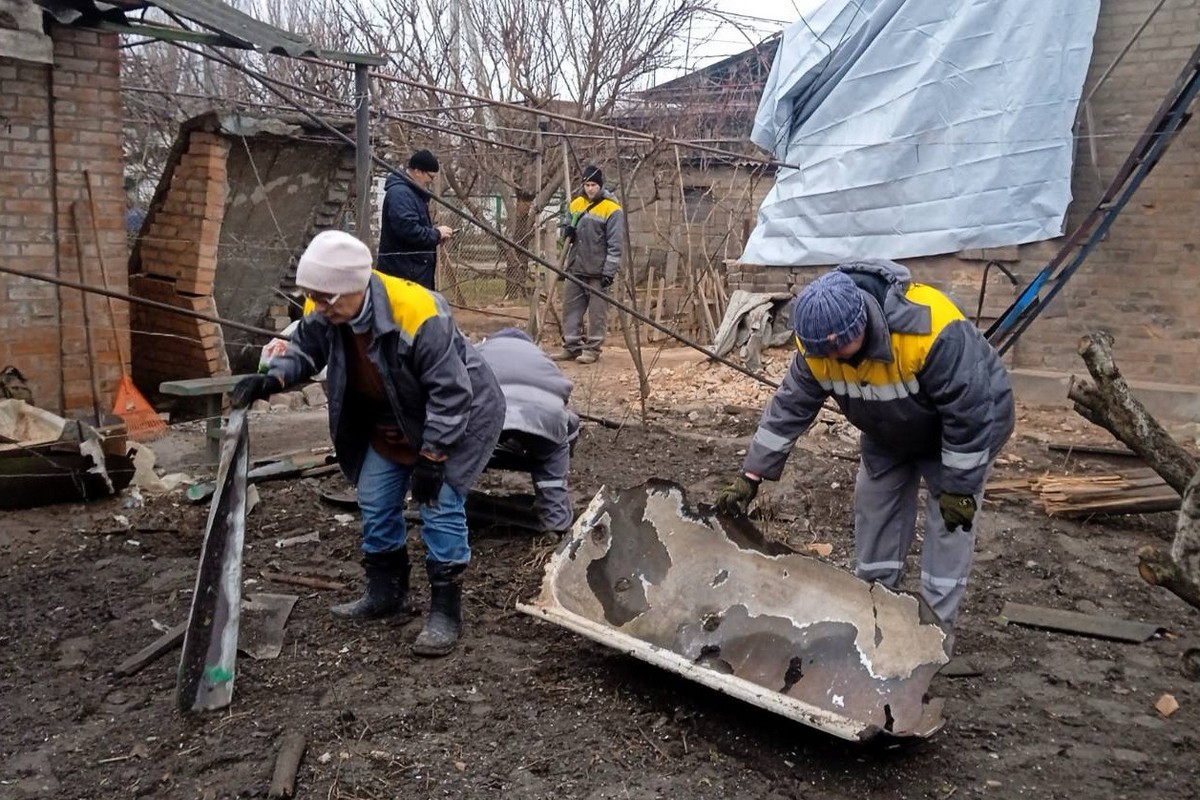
[
  {"x": 240, "y": 29},
  {"x": 224, "y": 19}
]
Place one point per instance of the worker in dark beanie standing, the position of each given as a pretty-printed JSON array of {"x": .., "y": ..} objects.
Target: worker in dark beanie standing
[
  {"x": 408, "y": 239},
  {"x": 411, "y": 405},
  {"x": 933, "y": 402},
  {"x": 595, "y": 231}
]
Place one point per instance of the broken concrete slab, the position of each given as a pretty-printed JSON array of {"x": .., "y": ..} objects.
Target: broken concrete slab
[{"x": 706, "y": 597}]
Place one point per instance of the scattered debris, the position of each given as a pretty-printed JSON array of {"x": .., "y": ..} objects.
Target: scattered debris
[
  {"x": 287, "y": 764},
  {"x": 151, "y": 652},
  {"x": 1098, "y": 625},
  {"x": 305, "y": 463},
  {"x": 1092, "y": 449},
  {"x": 46, "y": 459},
  {"x": 343, "y": 519},
  {"x": 1166, "y": 705},
  {"x": 261, "y": 629},
  {"x": 146, "y": 480},
  {"x": 295, "y": 540},
  {"x": 302, "y": 580},
  {"x": 1136, "y": 492}
]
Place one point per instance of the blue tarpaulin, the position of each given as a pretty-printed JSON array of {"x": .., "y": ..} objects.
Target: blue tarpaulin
[{"x": 920, "y": 127}]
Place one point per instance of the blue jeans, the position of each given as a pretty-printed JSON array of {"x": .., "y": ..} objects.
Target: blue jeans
[{"x": 381, "y": 489}]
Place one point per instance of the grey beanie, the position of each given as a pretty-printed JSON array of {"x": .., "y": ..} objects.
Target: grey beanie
[{"x": 830, "y": 313}]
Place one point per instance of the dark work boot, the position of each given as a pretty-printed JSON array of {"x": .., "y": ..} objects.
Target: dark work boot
[
  {"x": 444, "y": 625},
  {"x": 387, "y": 587}
]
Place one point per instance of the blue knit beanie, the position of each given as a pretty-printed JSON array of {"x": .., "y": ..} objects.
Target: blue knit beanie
[{"x": 830, "y": 313}]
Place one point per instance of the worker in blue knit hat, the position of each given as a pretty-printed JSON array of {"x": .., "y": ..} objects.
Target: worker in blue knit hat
[{"x": 933, "y": 402}]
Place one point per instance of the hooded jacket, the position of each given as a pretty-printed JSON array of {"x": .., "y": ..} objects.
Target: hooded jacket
[
  {"x": 443, "y": 396},
  {"x": 535, "y": 390},
  {"x": 599, "y": 233},
  {"x": 407, "y": 238},
  {"x": 926, "y": 385}
]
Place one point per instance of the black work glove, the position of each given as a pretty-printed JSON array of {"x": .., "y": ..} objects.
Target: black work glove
[
  {"x": 735, "y": 498},
  {"x": 606, "y": 282},
  {"x": 957, "y": 510},
  {"x": 427, "y": 478},
  {"x": 253, "y": 387},
  {"x": 569, "y": 233}
]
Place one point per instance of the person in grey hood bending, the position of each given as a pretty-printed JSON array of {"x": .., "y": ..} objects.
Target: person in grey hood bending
[
  {"x": 933, "y": 402},
  {"x": 539, "y": 429}
]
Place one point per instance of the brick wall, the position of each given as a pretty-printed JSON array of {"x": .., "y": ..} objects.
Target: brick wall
[
  {"x": 55, "y": 124},
  {"x": 177, "y": 265},
  {"x": 1138, "y": 283}
]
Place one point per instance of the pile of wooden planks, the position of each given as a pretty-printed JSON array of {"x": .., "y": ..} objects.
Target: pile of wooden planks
[{"x": 1136, "y": 491}]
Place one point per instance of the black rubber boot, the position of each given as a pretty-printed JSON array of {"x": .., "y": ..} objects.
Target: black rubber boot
[
  {"x": 444, "y": 625},
  {"x": 387, "y": 587}
]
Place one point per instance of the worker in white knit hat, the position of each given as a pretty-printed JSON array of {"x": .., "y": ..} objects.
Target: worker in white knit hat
[{"x": 411, "y": 404}]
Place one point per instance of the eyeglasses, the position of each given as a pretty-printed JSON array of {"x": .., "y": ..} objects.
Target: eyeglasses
[{"x": 322, "y": 298}]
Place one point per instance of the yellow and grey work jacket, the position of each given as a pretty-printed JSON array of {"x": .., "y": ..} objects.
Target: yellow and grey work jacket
[
  {"x": 599, "y": 232},
  {"x": 440, "y": 392},
  {"x": 926, "y": 385}
]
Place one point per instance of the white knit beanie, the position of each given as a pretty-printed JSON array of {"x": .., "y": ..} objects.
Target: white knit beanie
[{"x": 335, "y": 263}]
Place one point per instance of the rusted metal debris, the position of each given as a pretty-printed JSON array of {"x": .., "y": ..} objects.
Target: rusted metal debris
[
  {"x": 706, "y": 597},
  {"x": 206, "y": 668}
]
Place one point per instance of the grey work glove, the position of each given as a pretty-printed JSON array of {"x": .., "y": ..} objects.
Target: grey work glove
[
  {"x": 735, "y": 498},
  {"x": 958, "y": 510}
]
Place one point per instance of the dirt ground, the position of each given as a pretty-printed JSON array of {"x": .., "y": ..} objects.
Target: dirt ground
[{"x": 526, "y": 710}]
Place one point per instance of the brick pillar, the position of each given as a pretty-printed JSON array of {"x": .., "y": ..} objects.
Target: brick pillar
[{"x": 178, "y": 265}]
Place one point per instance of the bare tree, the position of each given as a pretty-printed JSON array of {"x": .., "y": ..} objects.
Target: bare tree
[{"x": 573, "y": 57}]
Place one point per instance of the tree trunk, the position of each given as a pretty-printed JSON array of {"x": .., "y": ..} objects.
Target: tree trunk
[{"x": 1109, "y": 404}]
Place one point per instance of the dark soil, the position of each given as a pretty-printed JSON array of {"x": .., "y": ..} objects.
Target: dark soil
[{"x": 523, "y": 709}]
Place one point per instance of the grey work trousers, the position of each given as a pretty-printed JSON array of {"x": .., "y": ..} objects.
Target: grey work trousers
[
  {"x": 885, "y": 520},
  {"x": 576, "y": 303},
  {"x": 548, "y": 463}
]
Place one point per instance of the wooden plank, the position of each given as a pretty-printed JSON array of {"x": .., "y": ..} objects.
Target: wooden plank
[
  {"x": 1092, "y": 449},
  {"x": 151, "y": 652},
  {"x": 1097, "y": 625}
]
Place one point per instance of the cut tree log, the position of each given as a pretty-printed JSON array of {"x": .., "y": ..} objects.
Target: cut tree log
[{"x": 1109, "y": 404}]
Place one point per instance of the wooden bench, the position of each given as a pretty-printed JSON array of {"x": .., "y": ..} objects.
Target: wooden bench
[{"x": 212, "y": 393}]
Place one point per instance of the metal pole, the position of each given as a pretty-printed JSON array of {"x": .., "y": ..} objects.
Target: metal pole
[
  {"x": 362, "y": 152},
  {"x": 535, "y": 213}
]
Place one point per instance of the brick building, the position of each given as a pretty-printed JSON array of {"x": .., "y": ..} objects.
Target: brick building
[
  {"x": 1137, "y": 284},
  {"x": 60, "y": 120},
  {"x": 61, "y": 124}
]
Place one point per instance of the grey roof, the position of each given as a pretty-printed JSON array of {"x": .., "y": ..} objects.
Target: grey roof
[
  {"x": 235, "y": 28},
  {"x": 227, "y": 20}
]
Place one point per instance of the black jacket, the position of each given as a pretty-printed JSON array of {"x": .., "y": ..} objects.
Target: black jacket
[{"x": 407, "y": 239}]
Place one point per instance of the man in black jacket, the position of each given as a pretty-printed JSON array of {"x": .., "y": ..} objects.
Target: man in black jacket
[{"x": 408, "y": 239}]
